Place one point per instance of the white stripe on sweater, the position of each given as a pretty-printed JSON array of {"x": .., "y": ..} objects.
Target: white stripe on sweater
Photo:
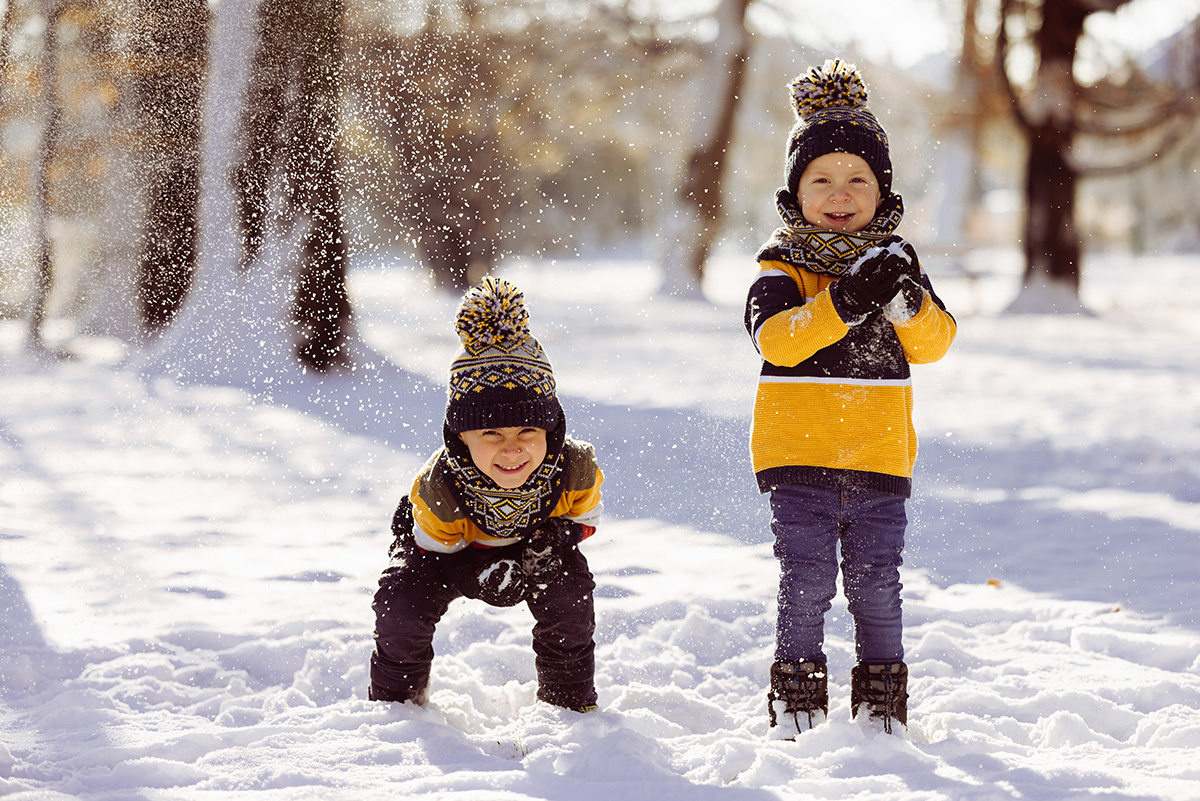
[{"x": 854, "y": 382}]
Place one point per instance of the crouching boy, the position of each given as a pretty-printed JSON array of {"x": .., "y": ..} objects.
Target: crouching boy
[{"x": 496, "y": 515}]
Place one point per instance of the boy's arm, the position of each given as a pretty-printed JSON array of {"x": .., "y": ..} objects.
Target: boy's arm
[
  {"x": 438, "y": 526},
  {"x": 787, "y": 327},
  {"x": 581, "y": 500},
  {"x": 927, "y": 331}
]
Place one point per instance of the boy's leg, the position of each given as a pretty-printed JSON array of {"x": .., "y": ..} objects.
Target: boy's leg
[
  {"x": 871, "y": 557},
  {"x": 411, "y": 599},
  {"x": 563, "y": 644},
  {"x": 805, "y": 521}
]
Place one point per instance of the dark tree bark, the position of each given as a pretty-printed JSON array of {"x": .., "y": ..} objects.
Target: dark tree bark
[
  {"x": 48, "y": 146},
  {"x": 1055, "y": 112},
  {"x": 1052, "y": 244},
  {"x": 171, "y": 41},
  {"x": 701, "y": 191},
  {"x": 290, "y": 131},
  {"x": 7, "y": 24}
]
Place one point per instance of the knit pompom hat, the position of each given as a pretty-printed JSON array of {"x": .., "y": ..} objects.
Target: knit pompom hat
[
  {"x": 500, "y": 377},
  {"x": 832, "y": 117}
]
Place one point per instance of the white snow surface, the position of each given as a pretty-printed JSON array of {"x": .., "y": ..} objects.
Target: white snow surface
[{"x": 186, "y": 570}]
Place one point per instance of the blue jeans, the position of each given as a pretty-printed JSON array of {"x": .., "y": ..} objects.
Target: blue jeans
[{"x": 808, "y": 523}]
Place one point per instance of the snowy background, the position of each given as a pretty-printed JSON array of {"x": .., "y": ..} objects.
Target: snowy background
[{"x": 186, "y": 570}]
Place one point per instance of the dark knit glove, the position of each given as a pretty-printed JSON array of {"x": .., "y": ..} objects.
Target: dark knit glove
[
  {"x": 499, "y": 582},
  {"x": 909, "y": 294},
  {"x": 906, "y": 302},
  {"x": 402, "y": 526},
  {"x": 869, "y": 283},
  {"x": 544, "y": 549},
  {"x": 491, "y": 575}
]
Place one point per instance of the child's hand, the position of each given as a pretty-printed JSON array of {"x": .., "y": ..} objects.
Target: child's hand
[
  {"x": 544, "y": 550},
  {"x": 402, "y": 528},
  {"x": 874, "y": 280},
  {"x": 910, "y": 265},
  {"x": 907, "y": 301},
  {"x": 500, "y": 582},
  {"x": 867, "y": 285},
  {"x": 908, "y": 292}
]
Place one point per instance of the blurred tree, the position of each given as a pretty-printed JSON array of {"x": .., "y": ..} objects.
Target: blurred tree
[
  {"x": 166, "y": 65},
  {"x": 58, "y": 92},
  {"x": 440, "y": 93},
  {"x": 291, "y": 147},
  {"x": 963, "y": 119},
  {"x": 499, "y": 127},
  {"x": 8, "y": 24},
  {"x": 1056, "y": 111},
  {"x": 701, "y": 191},
  {"x": 51, "y": 114},
  {"x": 269, "y": 291}
]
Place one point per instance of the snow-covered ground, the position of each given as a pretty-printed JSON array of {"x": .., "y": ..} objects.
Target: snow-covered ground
[{"x": 186, "y": 571}]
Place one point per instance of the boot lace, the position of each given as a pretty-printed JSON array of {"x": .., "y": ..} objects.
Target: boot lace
[{"x": 802, "y": 687}]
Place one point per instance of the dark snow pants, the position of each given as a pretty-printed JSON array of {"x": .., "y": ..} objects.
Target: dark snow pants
[
  {"x": 414, "y": 592},
  {"x": 810, "y": 523}
]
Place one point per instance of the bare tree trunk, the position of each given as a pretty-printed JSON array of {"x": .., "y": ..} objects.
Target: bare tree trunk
[
  {"x": 701, "y": 191},
  {"x": 1052, "y": 121},
  {"x": 51, "y": 121},
  {"x": 172, "y": 40},
  {"x": 321, "y": 308},
  {"x": 1051, "y": 239},
  {"x": 455, "y": 177},
  {"x": 291, "y": 150},
  {"x": 1052, "y": 245}
]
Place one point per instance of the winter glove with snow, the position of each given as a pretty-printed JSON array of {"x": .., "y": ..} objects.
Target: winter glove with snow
[
  {"x": 499, "y": 583},
  {"x": 909, "y": 294},
  {"x": 907, "y": 301},
  {"x": 869, "y": 283},
  {"x": 491, "y": 575},
  {"x": 544, "y": 549},
  {"x": 495, "y": 580}
]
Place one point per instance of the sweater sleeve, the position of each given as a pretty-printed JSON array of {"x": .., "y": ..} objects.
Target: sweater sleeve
[
  {"x": 581, "y": 500},
  {"x": 786, "y": 325},
  {"x": 928, "y": 334}
]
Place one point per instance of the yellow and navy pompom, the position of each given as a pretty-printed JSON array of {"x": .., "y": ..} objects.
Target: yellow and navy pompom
[
  {"x": 835, "y": 84},
  {"x": 491, "y": 315}
]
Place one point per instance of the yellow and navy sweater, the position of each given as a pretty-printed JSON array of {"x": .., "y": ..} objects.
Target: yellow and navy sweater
[
  {"x": 442, "y": 525},
  {"x": 834, "y": 402}
]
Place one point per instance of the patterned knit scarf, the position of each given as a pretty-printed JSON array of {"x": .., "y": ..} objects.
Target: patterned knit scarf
[
  {"x": 821, "y": 250},
  {"x": 507, "y": 513}
]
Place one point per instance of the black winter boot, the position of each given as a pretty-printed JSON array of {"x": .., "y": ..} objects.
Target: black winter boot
[
  {"x": 799, "y": 696},
  {"x": 420, "y": 697},
  {"x": 883, "y": 691}
]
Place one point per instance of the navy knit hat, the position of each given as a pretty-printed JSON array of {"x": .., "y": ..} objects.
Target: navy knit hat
[
  {"x": 832, "y": 117},
  {"x": 500, "y": 377}
]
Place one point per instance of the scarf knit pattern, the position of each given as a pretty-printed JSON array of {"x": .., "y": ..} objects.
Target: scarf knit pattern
[
  {"x": 506, "y": 513},
  {"x": 821, "y": 250}
]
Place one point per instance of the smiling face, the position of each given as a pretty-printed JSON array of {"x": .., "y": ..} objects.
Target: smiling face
[
  {"x": 508, "y": 455},
  {"x": 839, "y": 191}
]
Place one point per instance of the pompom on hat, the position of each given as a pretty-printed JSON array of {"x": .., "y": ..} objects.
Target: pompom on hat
[
  {"x": 832, "y": 117},
  {"x": 500, "y": 377}
]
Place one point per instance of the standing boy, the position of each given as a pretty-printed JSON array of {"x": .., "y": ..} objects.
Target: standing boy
[
  {"x": 496, "y": 515},
  {"x": 838, "y": 310}
]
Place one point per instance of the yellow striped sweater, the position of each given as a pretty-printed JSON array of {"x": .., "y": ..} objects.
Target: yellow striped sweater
[
  {"x": 442, "y": 525},
  {"x": 834, "y": 402}
]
